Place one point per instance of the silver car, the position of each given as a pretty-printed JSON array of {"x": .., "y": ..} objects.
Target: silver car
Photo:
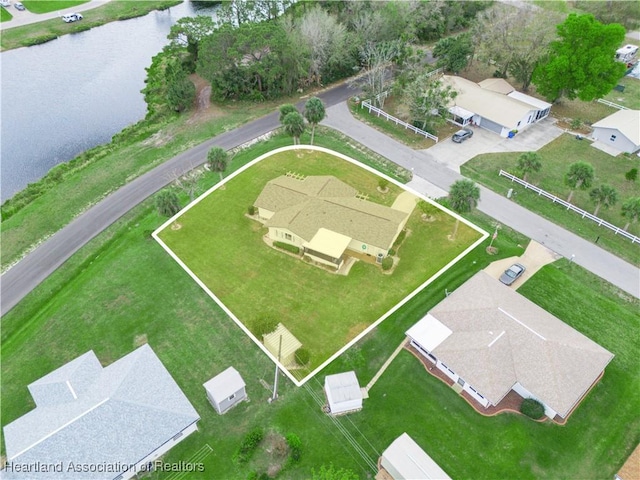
[{"x": 512, "y": 273}]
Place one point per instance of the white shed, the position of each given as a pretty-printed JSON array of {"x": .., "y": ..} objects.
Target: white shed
[
  {"x": 620, "y": 130},
  {"x": 226, "y": 390},
  {"x": 405, "y": 460},
  {"x": 343, "y": 392}
]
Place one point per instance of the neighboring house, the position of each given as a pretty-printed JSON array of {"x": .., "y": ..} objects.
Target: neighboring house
[
  {"x": 323, "y": 216},
  {"x": 631, "y": 468},
  {"x": 620, "y": 130},
  {"x": 343, "y": 393},
  {"x": 405, "y": 460},
  {"x": 92, "y": 422},
  {"x": 494, "y": 105},
  {"x": 282, "y": 344},
  {"x": 226, "y": 390},
  {"x": 490, "y": 340}
]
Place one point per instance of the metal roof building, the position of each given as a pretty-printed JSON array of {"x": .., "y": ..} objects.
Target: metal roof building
[
  {"x": 225, "y": 390},
  {"x": 343, "y": 392},
  {"x": 405, "y": 460}
]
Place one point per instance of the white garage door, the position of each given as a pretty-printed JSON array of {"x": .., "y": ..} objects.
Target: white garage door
[{"x": 492, "y": 126}]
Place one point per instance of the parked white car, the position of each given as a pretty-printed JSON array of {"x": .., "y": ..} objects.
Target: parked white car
[
  {"x": 5, "y": 3},
  {"x": 72, "y": 17}
]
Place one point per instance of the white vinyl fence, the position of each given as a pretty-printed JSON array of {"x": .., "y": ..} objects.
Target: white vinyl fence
[
  {"x": 366, "y": 104},
  {"x": 579, "y": 211}
]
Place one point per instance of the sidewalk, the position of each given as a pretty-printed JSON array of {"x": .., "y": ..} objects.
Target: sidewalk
[
  {"x": 26, "y": 17},
  {"x": 425, "y": 165}
]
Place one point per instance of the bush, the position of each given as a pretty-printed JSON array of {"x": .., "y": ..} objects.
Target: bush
[
  {"x": 248, "y": 445},
  {"x": 264, "y": 325},
  {"x": 251, "y": 210},
  {"x": 288, "y": 247},
  {"x": 303, "y": 356},
  {"x": 631, "y": 175},
  {"x": 576, "y": 123},
  {"x": 383, "y": 183},
  {"x": 387, "y": 263},
  {"x": 295, "y": 445},
  {"x": 532, "y": 408},
  {"x": 400, "y": 239},
  {"x": 392, "y": 252}
]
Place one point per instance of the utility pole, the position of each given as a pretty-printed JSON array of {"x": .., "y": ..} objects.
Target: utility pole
[{"x": 275, "y": 380}]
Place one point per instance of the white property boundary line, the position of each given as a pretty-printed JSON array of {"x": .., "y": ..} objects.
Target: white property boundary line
[{"x": 299, "y": 383}]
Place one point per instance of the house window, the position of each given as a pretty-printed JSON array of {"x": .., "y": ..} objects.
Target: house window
[
  {"x": 461, "y": 382},
  {"x": 613, "y": 138},
  {"x": 177, "y": 436},
  {"x": 288, "y": 236},
  {"x": 232, "y": 396},
  {"x": 518, "y": 124}
]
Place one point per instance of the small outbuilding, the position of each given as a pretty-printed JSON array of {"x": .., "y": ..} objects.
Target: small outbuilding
[
  {"x": 620, "y": 130},
  {"x": 405, "y": 460},
  {"x": 343, "y": 392},
  {"x": 282, "y": 344},
  {"x": 226, "y": 390}
]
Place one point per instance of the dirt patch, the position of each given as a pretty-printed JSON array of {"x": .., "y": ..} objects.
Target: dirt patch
[
  {"x": 204, "y": 110},
  {"x": 140, "y": 340},
  {"x": 176, "y": 226},
  {"x": 355, "y": 330}
]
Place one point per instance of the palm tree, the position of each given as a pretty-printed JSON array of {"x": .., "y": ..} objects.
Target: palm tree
[
  {"x": 167, "y": 203},
  {"x": 529, "y": 162},
  {"x": 294, "y": 125},
  {"x": 217, "y": 159},
  {"x": 631, "y": 210},
  {"x": 314, "y": 112},
  {"x": 286, "y": 109},
  {"x": 603, "y": 196},
  {"x": 580, "y": 175},
  {"x": 464, "y": 196}
]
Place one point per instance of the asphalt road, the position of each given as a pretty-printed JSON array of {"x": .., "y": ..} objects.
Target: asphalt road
[
  {"x": 47, "y": 257},
  {"x": 44, "y": 260},
  {"x": 424, "y": 165}
]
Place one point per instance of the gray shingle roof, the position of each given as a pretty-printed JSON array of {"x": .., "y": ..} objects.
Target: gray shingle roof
[
  {"x": 326, "y": 202},
  {"x": 553, "y": 361},
  {"x": 122, "y": 414}
]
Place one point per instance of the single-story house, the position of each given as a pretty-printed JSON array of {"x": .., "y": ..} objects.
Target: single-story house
[
  {"x": 494, "y": 105},
  {"x": 282, "y": 344},
  {"x": 226, "y": 390},
  {"x": 405, "y": 460},
  {"x": 631, "y": 468},
  {"x": 324, "y": 217},
  {"x": 343, "y": 392},
  {"x": 94, "y": 422},
  {"x": 490, "y": 340},
  {"x": 620, "y": 130}
]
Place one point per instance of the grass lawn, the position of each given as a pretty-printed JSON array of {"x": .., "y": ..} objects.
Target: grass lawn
[
  {"x": 630, "y": 98},
  {"x": 324, "y": 311},
  {"x": 398, "y": 132},
  {"x": 122, "y": 285},
  {"x": 5, "y": 15},
  {"x": 41, "y": 32},
  {"x": 556, "y": 158},
  {"x": 594, "y": 443},
  {"x": 45, "y": 6}
]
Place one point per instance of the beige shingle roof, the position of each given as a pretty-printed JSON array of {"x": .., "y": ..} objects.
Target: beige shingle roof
[
  {"x": 499, "y": 85},
  {"x": 627, "y": 121},
  {"x": 305, "y": 206},
  {"x": 500, "y": 338}
]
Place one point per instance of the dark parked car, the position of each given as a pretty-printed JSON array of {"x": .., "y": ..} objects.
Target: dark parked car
[
  {"x": 512, "y": 273},
  {"x": 461, "y": 135},
  {"x": 19, "y": 6}
]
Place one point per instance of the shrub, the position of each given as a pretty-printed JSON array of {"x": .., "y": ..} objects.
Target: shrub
[
  {"x": 288, "y": 247},
  {"x": 265, "y": 324},
  {"x": 303, "y": 356},
  {"x": 532, "y": 408},
  {"x": 576, "y": 123},
  {"x": 295, "y": 445},
  {"x": 392, "y": 251},
  {"x": 248, "y": 445},
  {"x": 383, "y": 183},
  {"x": 631, "y": 175},
  {"x": 251, "y": 210},
  {"x": 400, "y": 239},
  {"x": 387, "y": 263}
]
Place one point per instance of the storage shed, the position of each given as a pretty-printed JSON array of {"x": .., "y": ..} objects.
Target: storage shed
[
  {"x": 282, "y": 344},
  {"x": 226, "y": 390},
  {"x": 405, "y": 460},
  {"x": 343, "y": 392}
]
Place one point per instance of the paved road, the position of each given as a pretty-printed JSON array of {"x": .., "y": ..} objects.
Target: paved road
[
  {"x": 39, "y": 264},
  {"x": 25, "y": 17},
  {"x": 44, "y": 260},
  {"x": 425, "y": 165}
]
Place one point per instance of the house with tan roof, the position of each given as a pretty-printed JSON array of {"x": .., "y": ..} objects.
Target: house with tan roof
[
  {"x": 620, "y": 130},
  {"x": 494, "y": 105},
  {"x": 490, "y": 340},
  {"x": 324, "y": 217}
]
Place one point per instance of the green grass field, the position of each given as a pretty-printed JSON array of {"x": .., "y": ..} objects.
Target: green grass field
[
  {"x": 5, "y": 16},
  {"x": 224, "y": 249},
  {"x": 556, "y": 158},
  {"x": 45, "y": 6},
  {"x": 630, "y": 98}
]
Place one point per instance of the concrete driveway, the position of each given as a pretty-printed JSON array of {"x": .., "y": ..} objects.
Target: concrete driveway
[
  {"x": 483, "y": 141},
  {"x": 534, "y": 258}
]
